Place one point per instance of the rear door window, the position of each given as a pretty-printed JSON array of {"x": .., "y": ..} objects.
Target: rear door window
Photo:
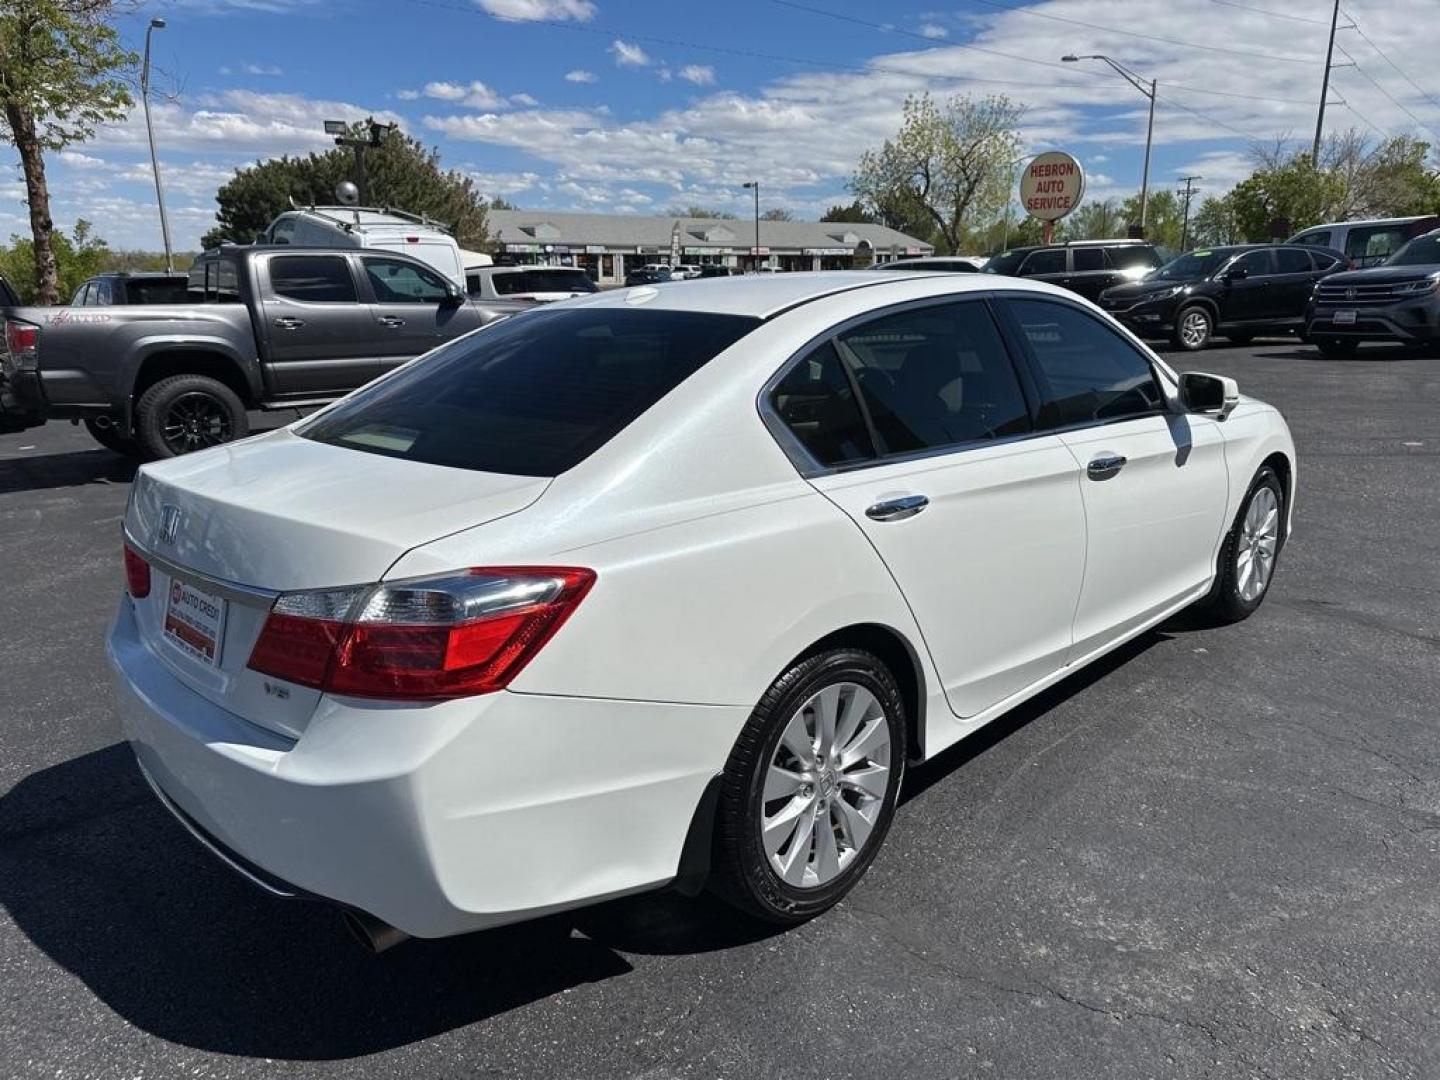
[
  {"x": 816, "y": 402},
  {"x": 314, "y": 279},
  {"x": 532, "y": 395},
  {"x": 1089, "y": 258},
  {"x": 1289, "y": 260},
  {"x": 935, "y": 376},
  {"x": 1051, "y": 261},
  {"x": 1324, "y": 260},
  {"x": 1259, "y": 263},
  {"x": 1088, "y": 372}
]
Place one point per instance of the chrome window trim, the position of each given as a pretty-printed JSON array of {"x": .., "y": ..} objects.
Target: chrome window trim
[
  {"x": 230, "y": 590},
  {"x": 810, "y": 469}
]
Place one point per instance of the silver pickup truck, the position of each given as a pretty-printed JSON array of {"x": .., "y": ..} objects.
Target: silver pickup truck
[{"x": 266, "y": 328}]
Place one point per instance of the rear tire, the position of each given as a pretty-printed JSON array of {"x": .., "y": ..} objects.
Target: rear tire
[
  {"x": 185, "y": 413},
  {"x": 1194, "y": 326},
  {"x": 1251, "y": 550},
  {"x": 1336, "y": 348},
  {"x": 108, "y": 436},
  {"x": 810, "y": 788}
]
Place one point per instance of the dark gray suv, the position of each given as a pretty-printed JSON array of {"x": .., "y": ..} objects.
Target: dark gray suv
[{"x": 1396, "y": 301}]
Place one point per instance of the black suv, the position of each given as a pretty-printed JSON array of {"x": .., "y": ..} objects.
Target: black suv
[
  {"x": 146, "y": 287},
  {"x": 1087, "y": 267},
  {"x": 1237, "y": 291},
  {"x": 1396, "y": 301}
]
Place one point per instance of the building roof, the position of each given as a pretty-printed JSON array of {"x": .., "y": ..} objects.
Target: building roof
[
  {"x": 629, "y": 230},
  {"x": 762, "y": 295}
]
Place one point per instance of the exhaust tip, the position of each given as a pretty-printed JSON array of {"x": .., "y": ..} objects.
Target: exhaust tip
[{"x": 371, "y": 933}]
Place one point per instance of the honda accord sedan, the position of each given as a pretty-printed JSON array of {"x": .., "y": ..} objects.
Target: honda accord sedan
[{"x": 667, "y": 587}]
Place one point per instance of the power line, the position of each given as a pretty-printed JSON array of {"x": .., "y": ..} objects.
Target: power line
[
  {"x": 1393, "y": 100},
  {"x": 1380, "y": 52},
  {"x": 1273, "y": 14},
  {"x": 1129, "y": 33}
]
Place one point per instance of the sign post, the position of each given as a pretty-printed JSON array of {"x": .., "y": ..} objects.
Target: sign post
[{"x": 1051, "y": 187}]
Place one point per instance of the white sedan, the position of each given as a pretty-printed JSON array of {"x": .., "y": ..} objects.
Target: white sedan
[{"x": 667, "y": 587}]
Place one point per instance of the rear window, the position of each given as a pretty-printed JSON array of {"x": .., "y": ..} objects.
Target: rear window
[
  {"x": 532, "y": 395},
  {"x": 533, "y": 281},
  {"x": 156, "y": 292}
]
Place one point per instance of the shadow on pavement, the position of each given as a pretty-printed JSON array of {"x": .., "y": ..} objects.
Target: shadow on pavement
[
  {"x": 98, "y": 876},
  {"x": 41, "y": 472},
  {"x": 1377, "y": 353}
]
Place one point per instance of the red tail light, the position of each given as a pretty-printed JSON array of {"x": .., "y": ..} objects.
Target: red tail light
[
  {"x": 137, "y": 574},
  {"x": 424, "y": 639},
  {"x": 21, "y": 339}
]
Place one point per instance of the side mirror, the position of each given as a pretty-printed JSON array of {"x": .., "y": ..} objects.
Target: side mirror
[
  {"x": 453, "y": 295},
  {"x": 1211, "y": 395},
  {"x": 1236, "y": 273}
]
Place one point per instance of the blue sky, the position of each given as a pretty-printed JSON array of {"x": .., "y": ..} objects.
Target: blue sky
[{"x": 635, "y": 106}]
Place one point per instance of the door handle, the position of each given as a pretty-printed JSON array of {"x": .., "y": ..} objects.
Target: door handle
[
  {"x": 289, "y": 322},
  {"x": 907, "y": 506},
  {"x": 391, "y": 320},
  {"x": 1102, "y": 468}
]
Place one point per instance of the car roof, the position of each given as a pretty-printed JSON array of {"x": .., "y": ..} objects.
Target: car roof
[
  {"x": 762, "y": 295},
  {"x": 1367, "y": 221}
]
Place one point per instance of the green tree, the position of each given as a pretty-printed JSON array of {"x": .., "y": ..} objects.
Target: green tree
[
  {"x": 1213, "y": 224},
  {"x": 699, "y": 212},
  {"x": 852, "y": 214},
  {"x": 78, "y": 256},
  {"x": 59, "y": 79},
  {"x": 1163, "y": 217},
  {"x": 947, "y": 171},
  {"x": 497, "y": 203},
  {"x": 1100, "y": 219},
  {"x": 400, "y": 173}
]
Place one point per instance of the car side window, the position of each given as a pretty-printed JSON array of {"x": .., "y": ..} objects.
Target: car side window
[
  {"x": 1129, "y": 256},
  {"x": 935, "y": 376},
  {"x": 1315, "y": 239},
  {"x": 1324, "y": 261},
  {"x": 397, "y": 282},
  {"x": 1088, "y": 372},
  {"x": 315, "y": 279},
  {"x": 817, "y": 403},
  {"x": 78, "y": 300},
  {"x": 1091, "y": 258},
  {"x": 1049, "y": 261},
  {"x": 1289, "y": 260},
  {"x": 1373, "y": 245}
]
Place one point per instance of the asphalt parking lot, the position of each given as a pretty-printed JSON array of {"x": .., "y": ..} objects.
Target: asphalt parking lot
[{"x": 1212, "y": 855}]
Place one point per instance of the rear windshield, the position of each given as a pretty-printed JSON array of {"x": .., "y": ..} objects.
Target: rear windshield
[
  {"x": 156, "y": 292},
  {"x": 532, "y": 281},
  {"x": 532, "y": 395}
]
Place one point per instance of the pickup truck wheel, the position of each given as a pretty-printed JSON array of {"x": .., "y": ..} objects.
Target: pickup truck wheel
[
  {"x": 108, "y": 435},
  {"x": 185, "y": 413}
]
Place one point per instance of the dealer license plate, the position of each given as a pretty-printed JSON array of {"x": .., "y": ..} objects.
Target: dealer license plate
[
  {"x": 1344, "y": 318},
  {"x": 195, "y": 622}
]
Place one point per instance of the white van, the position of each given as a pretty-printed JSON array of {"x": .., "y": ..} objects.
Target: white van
[
  {"x": 1367, "y": 243},
  {"x": 353, "y": 226}
]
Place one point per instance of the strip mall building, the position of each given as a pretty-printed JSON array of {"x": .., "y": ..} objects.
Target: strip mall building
[{"x": 608, "y": 246}]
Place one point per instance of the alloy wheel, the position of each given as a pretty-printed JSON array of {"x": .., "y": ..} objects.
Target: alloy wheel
[
  {"x": 1259, "y": 538},
  {"x": 195, "y": 421},
  {"x": 825, "y": 785},
  {"x": 1194, "y": 328}
]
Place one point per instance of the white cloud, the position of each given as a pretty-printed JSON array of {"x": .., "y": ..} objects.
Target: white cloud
[
  {"x": 491, "y": 184},
  {"x": 580, "y": 75},
  {"x": 933, "y": 31},
  {"x": 538, "y": 10},
  {"x": 627, "y": 55},
  {"x": 260, "y": 69},
  {"x": 523, "y": 99},
  {"x": 407, "y": 95},
  {"x": 473, "y": 95},
  {"x": 699, "y": 74}
]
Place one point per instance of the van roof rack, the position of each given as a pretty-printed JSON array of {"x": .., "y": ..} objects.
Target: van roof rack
[{"x": 335, "y": 214}]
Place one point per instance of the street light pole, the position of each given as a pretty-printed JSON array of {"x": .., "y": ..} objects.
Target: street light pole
[
  {"x": 155, "y": 24},
  {"x": 1148, "y": 89},
  {"x": 755, "y": 252}
]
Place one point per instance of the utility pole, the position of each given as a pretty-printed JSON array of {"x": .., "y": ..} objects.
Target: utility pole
[
  {"x": 1187, "y": 194},
  {"x": 1324, "y": 88},
  {"x": 155, "y": 24}
]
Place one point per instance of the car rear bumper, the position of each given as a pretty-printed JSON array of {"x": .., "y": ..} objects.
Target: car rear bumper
[
  {"x": 441, "y": 819},
  {"x": 1412, "y": 320},
  {"x": 22, "y": 405}
]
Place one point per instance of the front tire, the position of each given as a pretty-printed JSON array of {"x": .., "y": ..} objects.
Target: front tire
[
  {"x": 185, "y": 413},
  {"x": 1193, "y": 328},
  {"x": 811, "y": 787},
  {"x": 1250, "y": 551}
]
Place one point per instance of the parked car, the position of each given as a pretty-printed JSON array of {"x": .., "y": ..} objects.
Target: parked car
[
  {"x": 542, "y": 284},
  {"x": 1238, "y": 292},
  {"x": 1367, "y": 243},
  {"x": 945, "y": 492},
  {"x": 1087, "y": 267},
  {"x": 647, "y": 276},
  {"x": 384, "y": 229},
  {"x": 958, "y": 264},
  {"x": 121, "y": 287},
  {"x": 263, "y": 328},
  {"x": 685, "y": 271},
  {"x": 1394, "y": 302},
  {"x": 714, "y": 270}
]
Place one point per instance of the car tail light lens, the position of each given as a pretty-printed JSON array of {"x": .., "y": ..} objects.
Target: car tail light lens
[
  {"x": 21, "y": 338},
  {"x": 137, "y": 574},
  {"x": 422, "y": 639}
]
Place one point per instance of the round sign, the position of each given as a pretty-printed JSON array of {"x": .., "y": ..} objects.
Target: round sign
[{"x": 1052, "y": 186}]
